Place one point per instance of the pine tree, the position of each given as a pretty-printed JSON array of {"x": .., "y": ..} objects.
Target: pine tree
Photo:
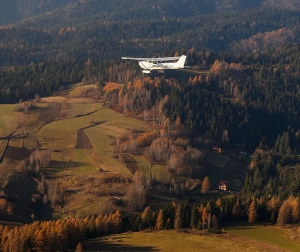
[
  {"x": 178, "y": 222},
  {"x": 160, "y": 220},
  {"x": 194, "y": 217},
  {"x": 205, "y": 186},
  {"x": 236, "y": 210},
  {"x": 117, "y": 222},
  {"x": 146, "y": 217},
  {"x": 296, "y": 210},
  {"x": 252, "y": 216},
  {"x": 79, "y": 248},
  {"x": 204, "y": 217},
  {"x": 284, "y": 213}
]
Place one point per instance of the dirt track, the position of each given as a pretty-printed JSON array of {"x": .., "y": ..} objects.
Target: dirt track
[{"x": 50, "y": 113}]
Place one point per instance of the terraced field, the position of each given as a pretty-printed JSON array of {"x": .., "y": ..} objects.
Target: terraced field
[{"x": 78, "y": 132}]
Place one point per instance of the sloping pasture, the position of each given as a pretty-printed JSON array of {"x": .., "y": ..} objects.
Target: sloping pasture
[
  {"x": 171, "y": 240},
  {"x": 269, "y": 234},
  {"x": 62, "y": 139}
]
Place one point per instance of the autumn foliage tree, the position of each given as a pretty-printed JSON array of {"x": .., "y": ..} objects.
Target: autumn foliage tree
[
  {"x": 252, "y": 216},
  {"x": 205, "y": 186}
]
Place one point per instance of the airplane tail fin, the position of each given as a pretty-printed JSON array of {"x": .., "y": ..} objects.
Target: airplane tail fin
[{"x": 181, "y": 61}]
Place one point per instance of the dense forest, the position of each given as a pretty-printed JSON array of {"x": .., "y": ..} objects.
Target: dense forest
[{"x": 88, "y": 29}]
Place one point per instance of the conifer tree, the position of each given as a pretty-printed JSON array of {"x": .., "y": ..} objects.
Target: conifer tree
[
  {"x": 146, "y": 217},
  {"x": 252, "y": 216},
  {"x": 284, "y": 213},
  {"x": 236, "y": 210},
  {"x": 160, "y": 220},
  {"x": 204, "y": 217},
  {"x": 79, "y": 248},
  {"x": 118, "y": 221},
  {"x": 205, "y": 186},
  {"x": 296, "y": 210},
  {"x": 194, "y": 217},
  {"x": 178, "y": 222}
]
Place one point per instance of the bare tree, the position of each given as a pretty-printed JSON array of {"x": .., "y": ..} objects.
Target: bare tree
[{"x": 137, "y": 192}]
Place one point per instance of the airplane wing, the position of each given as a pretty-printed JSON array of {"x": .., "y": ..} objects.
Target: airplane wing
[{"x": 153, "y": 59}]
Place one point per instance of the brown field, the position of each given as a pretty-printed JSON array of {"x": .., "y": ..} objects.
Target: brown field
[
  {"x": 50, "y": 113},
  {"x": 12, "y": 158},
  {"x": 17, "y": 153},
  {"x": 83, "y": 141},
  {"x": 130, "y": 162}
]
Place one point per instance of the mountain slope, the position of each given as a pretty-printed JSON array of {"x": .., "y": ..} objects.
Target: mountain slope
[{"x": 14, "y": 10}]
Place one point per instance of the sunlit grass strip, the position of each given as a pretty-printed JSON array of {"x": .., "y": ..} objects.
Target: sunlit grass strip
[
  {"x": 103, "y": 148},
  {"x": 270, "y": 234},
  {"x": 171, "y": 240}
]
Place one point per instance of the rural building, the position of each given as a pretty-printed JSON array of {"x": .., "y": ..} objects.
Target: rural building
[
  {"x": 217, "y": 149},
  {"x": 223, "y": 185}
]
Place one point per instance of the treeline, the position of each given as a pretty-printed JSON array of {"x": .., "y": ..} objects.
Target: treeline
[
  {"x": 60, "y": 235},
  {"x": 44, "y": 79}
]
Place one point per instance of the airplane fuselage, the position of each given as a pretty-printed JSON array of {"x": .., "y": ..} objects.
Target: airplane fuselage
[
  {"x": 157, "y": 66},
  {"x": 160, "y": 64}
]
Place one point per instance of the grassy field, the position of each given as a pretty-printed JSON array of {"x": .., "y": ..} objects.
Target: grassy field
[
  {"x": 8, "y": 123},
  {"x": 79, "y": 109},
  {"x": 63, "y": 138},
  {"x": 172, "y": 240},
  {"x": 158, "y": 173},
  {"x": 101, "y": 144},
  {"x": 275, "y": 235},
  {"x": 77, "y": 90},
  {"x": 218, "y": 160},
  {"x": 8, "y": 119}
]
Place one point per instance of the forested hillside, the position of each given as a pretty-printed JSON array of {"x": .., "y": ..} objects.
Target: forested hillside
[
  {"x": 234, "y": 114},
  {"x": 13, "y": 10},
  {"x": 128, "y": 9}
]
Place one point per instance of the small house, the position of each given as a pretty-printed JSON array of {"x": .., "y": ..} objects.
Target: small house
[
  {"x": 223, "y": 185},
  {"x": 217, "y": 149}
]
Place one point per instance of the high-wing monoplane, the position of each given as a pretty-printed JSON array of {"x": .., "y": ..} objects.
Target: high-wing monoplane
[{"x": 160, "y": 64}]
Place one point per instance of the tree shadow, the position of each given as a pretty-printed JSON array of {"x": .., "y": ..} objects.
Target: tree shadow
[
  {"x": 66, "y": 164},
  {"x": 112, "y": 246},
  {"x": 242, "y": 225}
]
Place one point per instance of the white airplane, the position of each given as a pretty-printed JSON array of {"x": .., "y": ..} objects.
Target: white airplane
[{"x": 160, "y": 64}]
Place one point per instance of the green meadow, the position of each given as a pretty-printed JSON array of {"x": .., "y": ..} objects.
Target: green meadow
[{"x": 171, "y": 240}]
